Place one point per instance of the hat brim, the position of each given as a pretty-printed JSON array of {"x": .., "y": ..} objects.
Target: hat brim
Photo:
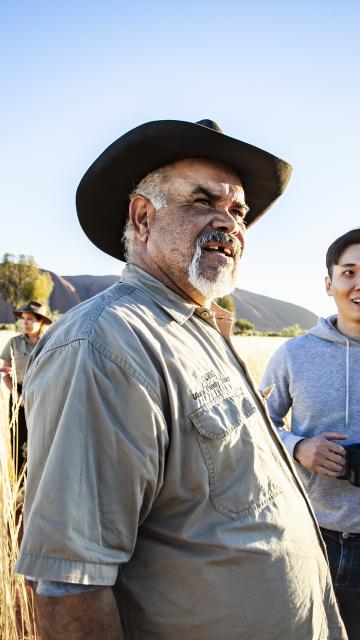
[
  {"x": 102, "y": 198},
  {"x": 19, "y": 312}
]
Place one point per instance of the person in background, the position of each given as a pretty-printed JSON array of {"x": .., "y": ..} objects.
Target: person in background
[
  {"x": 15, "y": 356},
  {"x": 160, "y": 502},
  {"x": 318, "y": 376}
]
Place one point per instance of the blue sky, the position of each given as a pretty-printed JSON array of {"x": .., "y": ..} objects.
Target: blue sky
[{"x": 280, "y": 75}]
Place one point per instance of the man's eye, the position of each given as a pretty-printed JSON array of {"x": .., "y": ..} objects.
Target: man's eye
[
  {"x": 348, "y": 272},
  {"x": 202, "y": 201},
  {"x": 239, "y": 214}
]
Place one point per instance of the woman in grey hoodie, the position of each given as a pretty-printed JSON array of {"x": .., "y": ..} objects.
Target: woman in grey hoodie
[{"x": 318, "y": 376}]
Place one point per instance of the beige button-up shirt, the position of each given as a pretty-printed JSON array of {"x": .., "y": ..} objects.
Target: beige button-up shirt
[
  {"x": 153, "y": 465},
  {"x": 19, "y": 347}
]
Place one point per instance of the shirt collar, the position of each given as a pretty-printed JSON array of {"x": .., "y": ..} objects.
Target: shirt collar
[
  {"x": 27, "y": 340},
  {"x": 178, "y": 308},
  {"x": 175, "y": 305}
]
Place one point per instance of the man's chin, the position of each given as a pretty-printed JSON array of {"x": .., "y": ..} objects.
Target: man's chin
[
  {"x": 212, "y": 281},
  {"x": 215, "y": 288}
]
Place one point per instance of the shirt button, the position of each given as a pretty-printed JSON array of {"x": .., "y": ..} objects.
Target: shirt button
[{"x": 345, "y": 535}]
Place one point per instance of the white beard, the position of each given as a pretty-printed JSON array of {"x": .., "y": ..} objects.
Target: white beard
[{"x": 225, "y": 280}]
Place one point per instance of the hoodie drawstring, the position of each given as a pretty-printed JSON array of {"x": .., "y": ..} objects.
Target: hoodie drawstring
[{"x": 347, "y": 383}]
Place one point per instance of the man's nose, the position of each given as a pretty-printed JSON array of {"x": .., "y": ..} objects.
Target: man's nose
[{"x": 224, "y": 220}]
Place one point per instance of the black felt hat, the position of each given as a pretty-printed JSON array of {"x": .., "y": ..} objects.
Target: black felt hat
[{"x": 102, "y": 198}]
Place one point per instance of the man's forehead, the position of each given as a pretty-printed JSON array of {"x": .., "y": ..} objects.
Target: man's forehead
[
  {"x": 193, "y": 173},
  {"x": 219, "y": 191},
  {"x": 349, "y": 256}
]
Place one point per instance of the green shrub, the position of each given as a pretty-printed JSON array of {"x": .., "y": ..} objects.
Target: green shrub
[
  {"x": 291, "y": 332},
  {"x": 226, "y": 302},
  {"x": 243, "y": 326}
]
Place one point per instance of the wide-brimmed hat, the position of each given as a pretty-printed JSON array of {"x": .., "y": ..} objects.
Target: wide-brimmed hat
[
  {"x": 102, "y": 197},
  {"x": 33, "y": 307}
]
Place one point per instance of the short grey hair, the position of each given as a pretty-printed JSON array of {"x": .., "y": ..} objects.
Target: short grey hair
[{"x": 152, "y": 187}]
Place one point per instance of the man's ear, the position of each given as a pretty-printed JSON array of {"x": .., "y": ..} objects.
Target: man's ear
[
  {"x": 328, "y": 286},
  {"x": 140, "y": 209}
]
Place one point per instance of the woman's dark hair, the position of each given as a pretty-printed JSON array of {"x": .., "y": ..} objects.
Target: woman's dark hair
[{"x": 338, "y": 247}]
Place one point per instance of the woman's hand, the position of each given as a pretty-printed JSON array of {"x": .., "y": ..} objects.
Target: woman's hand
[{"x": 6, "y": 370}]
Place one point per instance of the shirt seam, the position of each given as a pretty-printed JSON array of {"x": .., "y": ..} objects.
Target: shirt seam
[
  {"x": 126, "y": 366},
  {"x": 162, "y": 300},
  {"x": 82, "y": 562},
  {"x": 110, "y": 298},
  {"x": 122, "y": 364}
]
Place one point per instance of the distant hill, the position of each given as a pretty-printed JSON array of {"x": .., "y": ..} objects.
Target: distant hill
[{"x": 267, "y": 314}]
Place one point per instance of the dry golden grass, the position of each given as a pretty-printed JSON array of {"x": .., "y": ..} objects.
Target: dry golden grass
[
  {"x": 16, "y": 607},
  {"x": 256, "y": 352}
]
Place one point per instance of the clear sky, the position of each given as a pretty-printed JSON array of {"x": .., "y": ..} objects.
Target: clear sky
[{"x": 282, "y": 75}]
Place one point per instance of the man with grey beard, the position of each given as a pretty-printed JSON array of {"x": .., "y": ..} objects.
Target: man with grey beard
[
  {"x": 225, "y": 280},
  {"x": 160, "y": 502}
]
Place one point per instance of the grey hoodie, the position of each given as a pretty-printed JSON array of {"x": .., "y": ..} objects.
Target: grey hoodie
[{"x": 318, "y": 376}]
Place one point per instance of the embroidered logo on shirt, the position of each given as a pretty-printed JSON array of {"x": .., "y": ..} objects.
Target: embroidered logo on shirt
[{"x": 212, "y": 381}]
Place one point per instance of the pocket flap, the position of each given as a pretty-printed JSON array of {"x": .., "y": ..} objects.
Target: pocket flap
[{"x": 217, "y": 421}]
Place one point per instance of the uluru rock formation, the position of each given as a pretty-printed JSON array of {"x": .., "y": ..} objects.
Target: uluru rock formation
[{"x": 267, "y": 314}]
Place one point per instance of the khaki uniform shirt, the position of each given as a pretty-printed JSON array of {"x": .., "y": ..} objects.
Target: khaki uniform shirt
[
  {"x": 21, "y": 347},
  {"x": 153, "y": 464}
]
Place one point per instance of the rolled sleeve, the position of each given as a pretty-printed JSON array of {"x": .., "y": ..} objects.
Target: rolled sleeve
[
  {"x": 97, "y": 440},
  {"x": 6, "y": 352},
  {"x": 58, "y": 589}
]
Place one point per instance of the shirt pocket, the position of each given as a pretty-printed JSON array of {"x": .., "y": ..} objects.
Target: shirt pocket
[{"x": 238, "y": 456}]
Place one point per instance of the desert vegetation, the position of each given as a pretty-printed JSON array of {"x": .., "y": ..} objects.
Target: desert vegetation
[{"x": 21, "y": 280}]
